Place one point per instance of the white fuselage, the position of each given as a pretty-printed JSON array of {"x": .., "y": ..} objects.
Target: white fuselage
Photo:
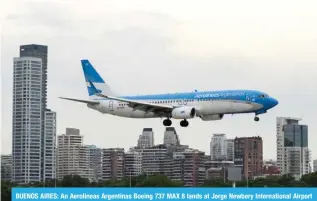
[{"x": 203, "y": 107}]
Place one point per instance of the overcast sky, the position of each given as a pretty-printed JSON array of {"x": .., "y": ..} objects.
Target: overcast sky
[{"x": 142, "y": 47}]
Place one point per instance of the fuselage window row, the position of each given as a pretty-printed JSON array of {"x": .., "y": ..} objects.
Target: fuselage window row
[{"x": 176, "y": 101}]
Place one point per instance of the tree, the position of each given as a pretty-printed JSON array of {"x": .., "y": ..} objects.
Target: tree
[
  {"x": 216, "y": 183},
  {"x": 74, "y": 181},
  {"x": 156, "y": 181},
  {"x": 310, "y": 179},
  {"x": 6, "y": 190},
  {"x": 286, "y": 180}
]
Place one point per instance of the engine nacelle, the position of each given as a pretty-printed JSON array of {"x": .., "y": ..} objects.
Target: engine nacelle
[
  {"x": 212, "y": 117},
  {"x": 184, "y": 113}
]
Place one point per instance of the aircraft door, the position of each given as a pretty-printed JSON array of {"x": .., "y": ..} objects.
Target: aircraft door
[{"x": 111, "y": 106}]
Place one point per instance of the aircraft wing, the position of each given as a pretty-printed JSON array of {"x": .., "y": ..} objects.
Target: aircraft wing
[
  {"x": 139, "y": 105},
  {"x": 81, "y": 101}
]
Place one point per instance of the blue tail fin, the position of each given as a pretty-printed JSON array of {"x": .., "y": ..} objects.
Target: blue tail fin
[{"x": 92, "y": 76}]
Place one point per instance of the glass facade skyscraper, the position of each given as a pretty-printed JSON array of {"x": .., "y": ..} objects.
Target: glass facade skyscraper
[
  {"x": 295, "y": 135},
  {"x": 293, "y": 154}
]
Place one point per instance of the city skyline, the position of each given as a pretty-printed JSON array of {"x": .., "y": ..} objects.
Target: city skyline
[
  {"x": 150, "y": 39},
  {"x": 92, "y": 165}
]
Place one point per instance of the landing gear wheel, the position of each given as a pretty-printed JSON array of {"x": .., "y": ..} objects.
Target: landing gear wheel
[
  {"x": 167, "y": 122},
  {"x": 256, "y": 118},
  {"x": 184, "y": 123}
]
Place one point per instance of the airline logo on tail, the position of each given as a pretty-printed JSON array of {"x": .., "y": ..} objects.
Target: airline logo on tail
[
  {"x": 94, "y": 90},
  {"x": 94, "y": 82}
]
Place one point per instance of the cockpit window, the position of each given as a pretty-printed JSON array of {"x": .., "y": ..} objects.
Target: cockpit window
[{"x": 263, "y": 96}]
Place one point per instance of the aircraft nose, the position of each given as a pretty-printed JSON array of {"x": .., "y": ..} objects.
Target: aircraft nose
[{"x": 274, "y": 102}]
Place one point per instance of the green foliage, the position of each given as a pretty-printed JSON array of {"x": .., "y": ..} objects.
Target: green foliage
[
  {"x": 75, "y": 181},
  {"x": 156, "y": 181},
  {"x": 6, "y": 190},
  {"x": 308, "y": 180}
]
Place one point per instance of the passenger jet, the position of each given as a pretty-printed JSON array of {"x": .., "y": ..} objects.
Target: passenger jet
[{"x": 207, "y": 105}]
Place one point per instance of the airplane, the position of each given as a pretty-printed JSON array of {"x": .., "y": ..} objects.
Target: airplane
[{"x": 206, "y": 105}]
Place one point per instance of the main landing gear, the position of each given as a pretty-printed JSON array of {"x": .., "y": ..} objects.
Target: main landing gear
[
  {"x": 167, "y": 122},
  {"x": 184, "y": 123},
  {"x": 256, "y": 119}
]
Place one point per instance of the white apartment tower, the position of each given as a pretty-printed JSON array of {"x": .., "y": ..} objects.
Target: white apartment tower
[
  {"x": 49, "y": 149},
  {"x": 170, "y": 136},
  {"x": 31, "y": 157},
  {"x": 72, "y": 155},
  {"x": 218, "y": 147},
  {"x": 146, "y": 139},
  {"x": 292, "y": 152},
  {"x": 26, "y": 121}
]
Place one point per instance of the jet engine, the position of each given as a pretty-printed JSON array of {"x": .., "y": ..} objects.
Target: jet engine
[
  {"x": 183, "y": 113},
  {"x": 212, "y": 117}
]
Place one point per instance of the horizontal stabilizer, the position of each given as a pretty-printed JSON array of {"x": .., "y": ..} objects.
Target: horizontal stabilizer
[{"x": 81, "y": 101}]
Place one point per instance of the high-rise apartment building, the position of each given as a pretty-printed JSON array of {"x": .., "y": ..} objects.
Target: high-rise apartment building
[
  {"x": 146, "y": 139},
  {"x": 95, "y": 162},
  {"x": 170, "y": 136},
  {"x": 29, "y": 112},
  {"x": 72, "y": 155},
  {"x": 49, "y": 145},
  {"x": 293, "y": 154},
  {"x": 218, "y": 147},
  {"x": 133, "y": 163},
  {"x": 229, "y": 144},
  {"x": 315, "y": 165},
  {"x": 38, "y": 51},
  {"x": 248, "y": 155},
  {"x": 27, "y": 120},
  {"x": 154, "y": 160},
  {"x": 178, "y": 169},
  {"x": 113, "y": 164},
  {"x": 189, "y": 167},
  {"x": 6, "y": 166}
]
